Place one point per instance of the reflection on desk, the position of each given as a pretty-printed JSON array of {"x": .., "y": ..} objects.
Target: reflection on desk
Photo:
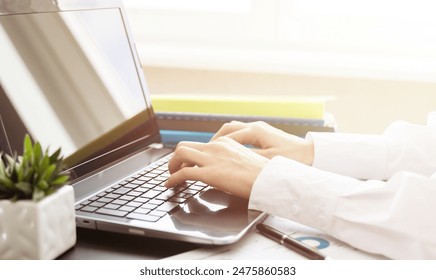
[{"x": 100, "y": 245}]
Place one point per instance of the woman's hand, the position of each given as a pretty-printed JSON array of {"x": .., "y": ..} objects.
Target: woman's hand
[
  {"x": 268, "y": 141},
  {"x": 222, "y": 163}
]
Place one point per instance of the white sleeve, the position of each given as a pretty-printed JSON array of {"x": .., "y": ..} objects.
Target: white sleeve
[
  {"x": 402, "y": 146},
  {"x": 392, "y": 218}
]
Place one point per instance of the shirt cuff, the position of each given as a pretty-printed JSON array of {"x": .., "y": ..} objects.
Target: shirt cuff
[
  {"x": 356, "y": 155},
  {"x": 298, "y": 192}
]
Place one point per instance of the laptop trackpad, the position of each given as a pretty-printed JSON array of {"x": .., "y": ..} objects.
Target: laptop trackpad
[{"x": 214, "y": 212}]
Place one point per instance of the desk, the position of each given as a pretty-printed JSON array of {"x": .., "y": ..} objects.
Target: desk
[
  {"x": 100, "y": 245},
  {"x": 255, "y": 246}
]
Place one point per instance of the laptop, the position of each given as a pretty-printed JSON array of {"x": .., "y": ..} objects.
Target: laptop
[{"x": 71, "y": 78}]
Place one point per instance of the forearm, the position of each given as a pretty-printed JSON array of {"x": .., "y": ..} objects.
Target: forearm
[
  {"x": 389, "y": 218},
  {"x": 402, "y": 146}
]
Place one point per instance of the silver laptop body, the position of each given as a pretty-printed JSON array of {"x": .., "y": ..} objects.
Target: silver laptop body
[{"x": 71, "y": 78}]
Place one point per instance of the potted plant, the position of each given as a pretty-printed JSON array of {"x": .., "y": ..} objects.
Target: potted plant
[{"x": 37, "y": 219}]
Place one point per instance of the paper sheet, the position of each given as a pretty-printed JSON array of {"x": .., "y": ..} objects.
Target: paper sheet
[{"x": 256, "y": 246}]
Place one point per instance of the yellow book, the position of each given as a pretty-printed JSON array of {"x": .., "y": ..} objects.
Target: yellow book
[{"x": 266, "y": 106}]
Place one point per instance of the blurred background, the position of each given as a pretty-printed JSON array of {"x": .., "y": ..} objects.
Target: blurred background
[{"x": 374, "y": 60}]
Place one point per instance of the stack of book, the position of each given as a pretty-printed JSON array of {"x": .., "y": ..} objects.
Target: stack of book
[{"x": 197, "y": 117}]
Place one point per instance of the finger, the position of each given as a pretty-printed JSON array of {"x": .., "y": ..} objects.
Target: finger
[
  {"x": 185, "y": 156},
  {"x": 236, "y": 146},
  {"x": 229, "y": 128},
  {"x": 246, "y": 136},
  {"x": 194, "y": 145},
  {"x": 183, "y": 175}
]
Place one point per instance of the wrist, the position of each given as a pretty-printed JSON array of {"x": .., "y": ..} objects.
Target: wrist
[{"x": 308, "y": 153}]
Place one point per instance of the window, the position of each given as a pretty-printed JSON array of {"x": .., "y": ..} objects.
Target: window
[{"x": 374, "y": 38}]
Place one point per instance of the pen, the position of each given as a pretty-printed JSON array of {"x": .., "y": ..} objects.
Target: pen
[{"x": 289, "y": 242}]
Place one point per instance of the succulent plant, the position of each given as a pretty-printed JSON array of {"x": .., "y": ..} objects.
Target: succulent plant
[{"x": 33, "y": 175}]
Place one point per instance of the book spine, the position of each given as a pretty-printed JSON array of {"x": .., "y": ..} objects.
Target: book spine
[{"x": 212, "y": 123}]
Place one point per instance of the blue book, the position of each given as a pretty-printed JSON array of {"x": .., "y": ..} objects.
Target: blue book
[{"x": 172, "y": 137}]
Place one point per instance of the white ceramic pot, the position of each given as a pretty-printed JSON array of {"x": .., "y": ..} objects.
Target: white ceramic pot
[{"x": 38, "y": 230}]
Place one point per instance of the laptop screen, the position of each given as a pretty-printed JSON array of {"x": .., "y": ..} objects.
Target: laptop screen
[{"x": 71, "y": 79}]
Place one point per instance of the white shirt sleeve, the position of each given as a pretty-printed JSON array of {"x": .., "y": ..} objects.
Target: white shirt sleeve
[
  {"x": 392, "y": 217},
  {"x": 402, "y": 146}
]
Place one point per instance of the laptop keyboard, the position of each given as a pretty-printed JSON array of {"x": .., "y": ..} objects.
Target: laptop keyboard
[{"x": 142, "y": 196}]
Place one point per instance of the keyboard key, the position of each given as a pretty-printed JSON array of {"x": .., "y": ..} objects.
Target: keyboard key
[
  {"x": 100, "y": 195},
  {"x": 112, "y": 206},
  {"x": 96, "y": 204},
  {"x": 121, "y": 190},
  {"x": 166, "y": 195},
  {"x": 130, "y": 186},
  {"x": 147, "y": 176},
  {"x": 126, "y": 197},
  {"x": 154, "y": 182},
  {"x": 156, "y": 202},
  {"x": 160, "y": 179},
  {"x": 184, "y": 194},
  {"x": 141, "y": 199},
  {"x": 201, "y": 184},
  {"x": 196, "y": 187},
  {"x": 157, "y": 213},
  {"x": 143, "y": 217},
  {"x": 120, "y": 202},
  {"x": 112, "y": 195},
  {"x": 134, "y": 193},
  {"x": 148, "y": 186},
  {"x": 160, "y": 188},
  {"x": 142, "y": 210},
  {"x": 148, "y": 206},
  {"x": 134, "y": 204},
  {"x": 141, "y": 189},
  {"x": 191, "y": 191},
  {"x": 86, "y": 202},
  {"x": 111, "y": 212},
  {"x": 137, "y": 182},
  {"x": 88, "y": 209},
  {"x": 167, "y": 207},
  {"x": 150, "y": 194},
  {"x": 127, "y": 208},
  {"x": 178, "y": 199},
  {"x": 104, "y": 200}
]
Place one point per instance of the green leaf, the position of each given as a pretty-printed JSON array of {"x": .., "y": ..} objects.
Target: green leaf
[
  {"x": 20, "y": 173},
  {"x": 48, "y": 172},
  {"x": 43, "y": 185},
  {"x": 10, "y": 160},
  {"x": 62, "y": 179},
  {"x": 28, "y": 173},
  {"x": 38, "y": 194},
  {"x": 25, "y": 187},
  {"x": 28, "y": 149},
  {"x": 45, "y": 165},
  {"x": 55, "y": 156},
  {"x": 5, "y": 181},
  {"x": 37, "y": 151},
  {"x": 2, "y": 166}
]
